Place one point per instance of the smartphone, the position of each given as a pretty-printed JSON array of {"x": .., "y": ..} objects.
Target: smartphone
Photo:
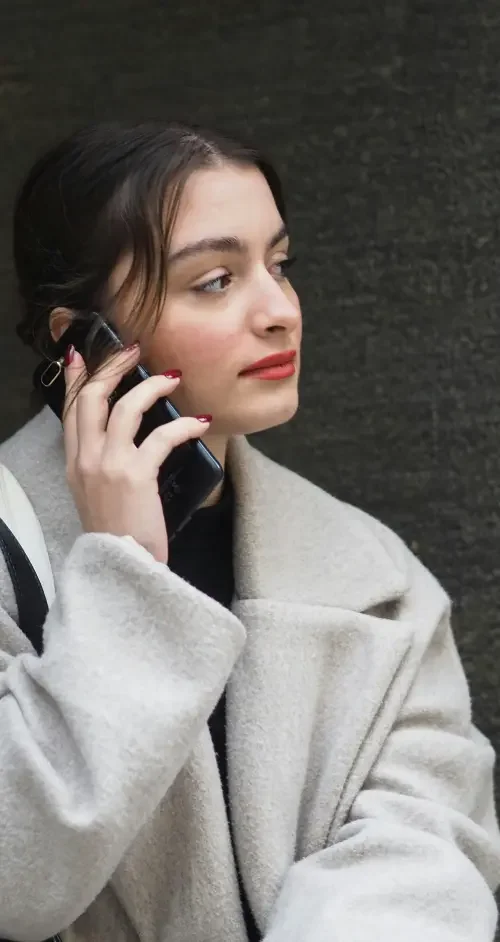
[{"x": 190, "y": 473}]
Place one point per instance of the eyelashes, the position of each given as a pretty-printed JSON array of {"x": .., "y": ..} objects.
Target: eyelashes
[
  {"x": 222, "y": 282},
  {"x": 211, "y": 287},
  {"x": 286, "y": 263}
]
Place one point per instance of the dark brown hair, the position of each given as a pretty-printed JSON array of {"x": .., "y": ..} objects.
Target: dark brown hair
[{"x": 104, "y": 192}]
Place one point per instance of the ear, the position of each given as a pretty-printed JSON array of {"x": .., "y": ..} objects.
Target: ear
[{"x": 59, "y": 321}]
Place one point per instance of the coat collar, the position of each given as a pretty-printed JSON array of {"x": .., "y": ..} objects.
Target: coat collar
[{"x": 295, "y": 543}]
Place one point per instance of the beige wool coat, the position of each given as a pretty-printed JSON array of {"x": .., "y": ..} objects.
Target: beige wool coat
[{"x": 361, "y": 793}]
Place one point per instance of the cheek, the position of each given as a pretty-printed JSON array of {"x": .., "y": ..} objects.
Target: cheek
[
  {"x": 207, "y": 347},
  {"x": 193, "y": 348}
]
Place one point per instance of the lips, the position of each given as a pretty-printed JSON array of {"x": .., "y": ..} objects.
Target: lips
[{"x": 275, "y": 359}]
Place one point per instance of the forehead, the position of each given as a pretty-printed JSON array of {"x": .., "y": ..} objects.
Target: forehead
[{"x": 226, "y": 201}]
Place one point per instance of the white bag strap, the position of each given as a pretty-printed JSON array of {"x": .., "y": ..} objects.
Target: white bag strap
[{"x": 17, "y": 512}]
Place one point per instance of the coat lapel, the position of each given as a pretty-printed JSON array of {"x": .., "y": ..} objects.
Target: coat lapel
[
  {"x": 296, "y": 543},
  {"x": 312, "y": 581}
]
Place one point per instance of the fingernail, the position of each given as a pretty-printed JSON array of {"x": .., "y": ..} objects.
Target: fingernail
[
  {"x": 204, "y": 418},
  {"x": 68, "y": 356},
  {"x": 173, "y": 374},
  {"x": 132, "y": 348}
]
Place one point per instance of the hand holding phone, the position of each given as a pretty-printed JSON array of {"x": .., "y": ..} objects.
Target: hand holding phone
[
  {"x": 135, "y": 466},
  {"x": 114, "y": 482}
]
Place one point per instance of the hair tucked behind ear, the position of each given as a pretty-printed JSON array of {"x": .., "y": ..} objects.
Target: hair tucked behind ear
[{"x": 105, "y": 193}]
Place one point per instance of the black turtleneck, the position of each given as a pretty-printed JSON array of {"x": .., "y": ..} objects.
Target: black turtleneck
[{"x": 202, "y": 554}]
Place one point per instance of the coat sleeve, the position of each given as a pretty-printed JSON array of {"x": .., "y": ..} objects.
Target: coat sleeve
[
  {"x": 94, "y": 732},
  {"x": 418, "y": 858}
]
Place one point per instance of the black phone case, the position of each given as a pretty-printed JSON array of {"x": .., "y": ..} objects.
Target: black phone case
[{"x": 190, "y": 473}]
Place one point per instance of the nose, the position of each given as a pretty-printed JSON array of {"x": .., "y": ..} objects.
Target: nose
[{"x": 276, "y": 307}]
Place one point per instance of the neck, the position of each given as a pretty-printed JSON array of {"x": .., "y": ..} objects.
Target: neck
[{"x": 217, "y": 444}]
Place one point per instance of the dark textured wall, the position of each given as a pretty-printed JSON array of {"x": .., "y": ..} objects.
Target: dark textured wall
[{"x": 386, "y": 120}]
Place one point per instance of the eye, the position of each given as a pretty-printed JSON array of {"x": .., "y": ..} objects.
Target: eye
[
  {"x": 280, "y": 269},
  {"x": 215, "y": 285}
]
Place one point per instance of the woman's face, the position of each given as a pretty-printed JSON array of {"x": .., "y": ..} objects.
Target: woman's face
[{"x": 228, "y": 305}]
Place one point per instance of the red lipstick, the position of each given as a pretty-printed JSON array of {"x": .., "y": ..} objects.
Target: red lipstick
[{"x": 275, "y": 366}]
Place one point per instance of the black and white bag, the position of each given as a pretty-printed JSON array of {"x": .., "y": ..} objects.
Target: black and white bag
[{"x": 23, "y": 546}]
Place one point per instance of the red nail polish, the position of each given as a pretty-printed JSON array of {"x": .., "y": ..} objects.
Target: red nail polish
[
  {"x": 69, "y": 355},
  {"x": 132, "y": 348},
  {"x": 204, "y": 418},
  {"x": 173, "y": 374}
]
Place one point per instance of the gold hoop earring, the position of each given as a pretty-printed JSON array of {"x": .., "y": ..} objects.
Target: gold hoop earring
[{"x": 52, "y": 372}]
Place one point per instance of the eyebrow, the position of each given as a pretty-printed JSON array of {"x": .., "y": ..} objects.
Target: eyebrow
[{"x": 222, "y": 244}]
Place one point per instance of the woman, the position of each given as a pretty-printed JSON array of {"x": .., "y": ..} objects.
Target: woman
[{"x": 270, "y": 736}]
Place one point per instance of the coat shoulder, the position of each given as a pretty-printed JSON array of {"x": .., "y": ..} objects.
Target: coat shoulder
[{"x": 35, "y": 452}]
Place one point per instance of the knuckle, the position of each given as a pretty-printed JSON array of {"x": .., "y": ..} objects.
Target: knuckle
[
  {"x": 161, "y": 434},
  {"x": 163, "y": 437},
  {"x": 87, "y": 393},
  {"x": 183, "y": 429},
  {"x": 122, "y": 407},
  {"x": 172, "y": 431},
  {"x": 85, "y": 466},
  {"x": 150, "y": 388},
  {"x": 114, "y": 470}
]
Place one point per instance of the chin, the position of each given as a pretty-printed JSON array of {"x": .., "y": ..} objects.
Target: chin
[{"x": 259, "y": 420}]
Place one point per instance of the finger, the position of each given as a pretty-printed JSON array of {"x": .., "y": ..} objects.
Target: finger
[
  {"x": 127, "y": 414},
  {"x": 160, "y": 443},
  {"x": 75, "y": 375},
  {"x": 92, "y": 403},
  {"x": 103, "y": 382}
]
